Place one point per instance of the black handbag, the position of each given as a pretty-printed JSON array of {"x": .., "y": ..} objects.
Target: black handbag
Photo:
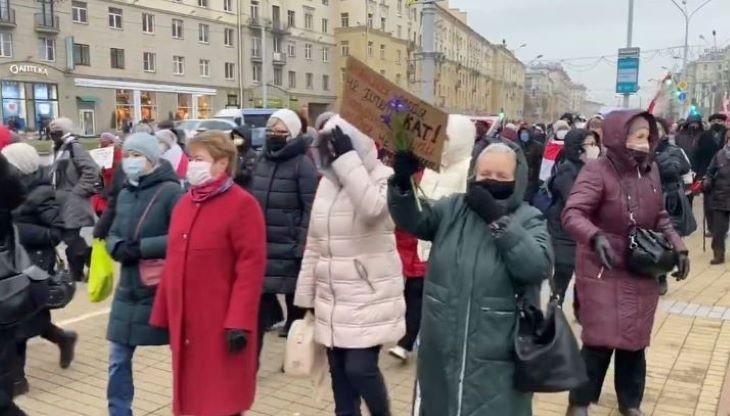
[
  {"x": 548, "y": 359},
  {"x": 61, "y": 287},
  {"x": 22, "y": 296}
]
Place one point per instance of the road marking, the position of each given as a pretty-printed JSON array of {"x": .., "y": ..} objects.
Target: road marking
[{"x": 83, "y": 317}]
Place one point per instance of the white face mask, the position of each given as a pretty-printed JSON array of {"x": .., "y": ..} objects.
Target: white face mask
[
  {"x": 580, "y": 125},
  {"x": 593, "y": 152},
  {"x": 561, "y": 134},
  {"x": 199, "y": 172}
]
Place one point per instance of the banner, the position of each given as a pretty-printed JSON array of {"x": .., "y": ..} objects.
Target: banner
[
  {"x": 364, "y": 101},
  {"x": 104, "y": 156}
]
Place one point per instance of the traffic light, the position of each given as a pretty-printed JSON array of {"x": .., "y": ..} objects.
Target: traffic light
[
  {"x": 668, "y": 82},
  {"x": 693, "y": 109}
]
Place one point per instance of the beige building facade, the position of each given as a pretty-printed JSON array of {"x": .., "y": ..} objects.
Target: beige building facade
[
  {"x": 708, "y": 80},
  {"x": 549, "y": 93}
]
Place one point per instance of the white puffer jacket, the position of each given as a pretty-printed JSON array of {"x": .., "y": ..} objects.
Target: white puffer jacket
[
  {"x": 454, "y": 172},
  {"x": 351, "y": 272}
]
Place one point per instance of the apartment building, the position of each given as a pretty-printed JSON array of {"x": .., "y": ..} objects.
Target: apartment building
[
  {"x": 708, "y": 80},
  {"x": 107, "y": 62},
  {"x": 550, "y": 92},
  {"x": 508, "y": 90},
  {"x": 578, "y": 94}
]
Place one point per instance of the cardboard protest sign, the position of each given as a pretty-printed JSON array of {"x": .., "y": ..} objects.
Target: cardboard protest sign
[
  {"x": 104, "y": 157},
  {"x": 364, "y": 101}
]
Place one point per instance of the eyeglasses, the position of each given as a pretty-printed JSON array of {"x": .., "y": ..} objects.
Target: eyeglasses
[{"x": 273, "y": 132}]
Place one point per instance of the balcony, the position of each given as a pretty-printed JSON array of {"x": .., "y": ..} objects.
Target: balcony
[
  {"x": 255, "y": 23},
  {"x": 279, "y": 58},
  {"x": 256, "y": 55},
  {"x": 7, "y": 18},
  {"x": 280, "y": 28},
  {"x": 46, "y": 23}
]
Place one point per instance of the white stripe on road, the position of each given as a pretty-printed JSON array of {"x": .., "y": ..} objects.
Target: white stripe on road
[{"x": 83, "y": 317}]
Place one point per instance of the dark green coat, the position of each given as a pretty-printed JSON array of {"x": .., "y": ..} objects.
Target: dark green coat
[
  {"x": 467, "y": 329},
  {"x": 132, "y": 304}
]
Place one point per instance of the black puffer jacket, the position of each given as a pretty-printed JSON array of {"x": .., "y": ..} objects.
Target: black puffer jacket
[
  {"x": 717, "y": 181},
  {"x": 708, "y": 144},
  {"x": 38, "y": 220},
  {"x": 560, "y": 185},
  {"x": 533, "y": 151},
  {"x": 672, "y": 165},
  {"x": 284, "y": 183}
]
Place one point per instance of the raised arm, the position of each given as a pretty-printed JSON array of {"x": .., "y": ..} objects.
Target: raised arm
[{"x": 422, "y": 224}]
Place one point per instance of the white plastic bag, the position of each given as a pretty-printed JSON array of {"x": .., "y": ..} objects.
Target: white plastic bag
[{"x": 301, "y": 349}]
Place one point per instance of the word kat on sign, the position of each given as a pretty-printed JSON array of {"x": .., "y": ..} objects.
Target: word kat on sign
[{"x": 364, "y": 100}]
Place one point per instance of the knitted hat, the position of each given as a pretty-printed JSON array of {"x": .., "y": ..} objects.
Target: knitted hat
[
  {"x": 108, "y": 139},
  {"x": 561, "y": 125},
  {"x": 322, "y": 119},
  {"x": 167, "y": 137},
  {"x": 23, "y": 156},
  {"x": 145, "y": 144},
  {"x": 62, "y": 124},
  {"x": 290, "y": 119}
]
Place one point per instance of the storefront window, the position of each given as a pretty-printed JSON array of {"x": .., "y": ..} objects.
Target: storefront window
[
  {"x": 46, "y": 103},
  {"x": 149, "y": 106},
  {"x": 28, "y": 106},
  {"x": 184, "y": 106},
  {"x": 123, "y": 108},
  {"x": 14, "y": 110},
  {"x": 203, "y": 106}
]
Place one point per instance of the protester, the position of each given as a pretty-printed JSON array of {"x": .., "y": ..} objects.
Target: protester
[
  {"x": 172, "y": 152},
  {"x": 553, "y": 149},
  {"x": 595, "y": 124},
  {"x": 39, "y": 230},
  {"x": 75, "y": 176},
  {"x": 179, "y": 133},
  {"x": 284, "y": 183},
  {"x": 709, "y": 143},
  {"x": 717, "y": 186},
  {"x": 247, "y": 157},
  {"x": 489, "y": 231},
  {"x": 351, "y": 276},
  {"x": 533, "y": 152},
  {"x": 580, "y": 148},
  {"x": 100, "y": 202},
  {"x": 210, "y": 291},
  {"x": 616, "y": 305},
  {"x": 138, "y": 235},
  {"x": 12, "y": 261},
  {"x": 538, "y": 134},
  {"x": 687, "y": 138}
]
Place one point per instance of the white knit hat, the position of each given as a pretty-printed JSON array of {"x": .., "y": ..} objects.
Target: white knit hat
[
  {"x": 62, "y": 124},
  {"x": 290, "y": 119},
  {"x": 23, "y": 156},
  {"x": 167, "y": 137}
]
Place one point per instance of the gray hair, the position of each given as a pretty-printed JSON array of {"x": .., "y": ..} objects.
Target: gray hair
[{"x": 495, "y": 148}]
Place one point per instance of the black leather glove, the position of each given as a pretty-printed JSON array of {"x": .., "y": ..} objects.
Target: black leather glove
[
  {"x": 682, "y": 266},
  {"x": 605, "y": 252},
  {"x": 341, "y": 142},
  {"x": 237, "y": 339},
  {"x": 127, "y": 252},
  {"x": 481, "y": 201},
  {"x": 405, "y": 165}
]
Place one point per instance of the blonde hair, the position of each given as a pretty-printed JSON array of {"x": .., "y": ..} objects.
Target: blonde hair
[{"x": 219, "y": 145}]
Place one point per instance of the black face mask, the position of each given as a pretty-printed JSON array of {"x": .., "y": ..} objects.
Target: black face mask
[
  {"x": 56, "y": 136},
  {"x": 717, "y": 128},
  {"x": 275, "y": 143},
  {"x": 639, "y": 157},
  {"x": 500, "y": 190}
]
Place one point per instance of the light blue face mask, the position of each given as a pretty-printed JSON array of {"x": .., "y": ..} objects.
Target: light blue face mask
[
  {"x": 524, "y": 136},
  {"x": 133, "y": 167}
]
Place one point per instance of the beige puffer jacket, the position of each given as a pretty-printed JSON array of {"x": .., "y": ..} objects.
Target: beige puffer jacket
[{"x": 351, "y": 272}]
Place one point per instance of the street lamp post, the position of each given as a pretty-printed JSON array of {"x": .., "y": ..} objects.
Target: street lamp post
[
  {"x": 687, "y": 18},
  {"x": 629, "y": 42}
]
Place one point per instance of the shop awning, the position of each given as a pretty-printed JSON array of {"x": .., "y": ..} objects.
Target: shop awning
[{"x": 88, "y": 99}]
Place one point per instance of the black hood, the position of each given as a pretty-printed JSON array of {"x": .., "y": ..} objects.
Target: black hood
[
  {"x": 38, "y": 178},
  {"x": 12, "y": 191},
  {"x": 573, "y": 145},
  {"x": 293, "y": 148},
  {"x": 163, "y": 173}
]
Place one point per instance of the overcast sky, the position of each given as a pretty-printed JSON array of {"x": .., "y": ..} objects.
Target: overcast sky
[{"x": 565, "y": 29}]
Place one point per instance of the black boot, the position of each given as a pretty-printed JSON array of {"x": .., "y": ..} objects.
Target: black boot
[
  {"x": 575, "y": 410},
  {"x": 719, "y": 258},
  {"x": 663, "y": 286},
  {"x": 631, "y": 412},
  {"x": 67, "y": 347},
  {"x": 20, "y": 387}
]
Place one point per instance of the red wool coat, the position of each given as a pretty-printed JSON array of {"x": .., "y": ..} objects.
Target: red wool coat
[{"x": 216, "y": 255}]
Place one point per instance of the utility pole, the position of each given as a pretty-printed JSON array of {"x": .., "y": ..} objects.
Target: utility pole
[
  {"x": 239, "y": 50},
  {"x": 264, "y": 68},
  {"x": 429, "y": 54},
  {"x": 629, "y": 41}
]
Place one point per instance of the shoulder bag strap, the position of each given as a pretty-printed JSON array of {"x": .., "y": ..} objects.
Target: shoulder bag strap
[{"x": 147, "y": 211}]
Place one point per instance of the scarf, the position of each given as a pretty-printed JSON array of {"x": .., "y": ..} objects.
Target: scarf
[{"x": 208, "y": 190}]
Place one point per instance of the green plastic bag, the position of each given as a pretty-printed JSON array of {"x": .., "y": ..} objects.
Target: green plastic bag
[{"x": 101, "y": 272}]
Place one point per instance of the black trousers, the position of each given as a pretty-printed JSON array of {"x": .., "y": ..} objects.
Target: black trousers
[
  {"x": 77, "y": 252},
  {"x": 355, "y": 375},
  {"x": 51, "y": 333},
  {"x": 293, "y": 313},
  {"x": 8, "y": 352},
  {"x": 720, "y": 224},
  {"x": 414, "y": 303},
  {"x": 629, "y": 378},
  {"x": 563, "y": 275}
]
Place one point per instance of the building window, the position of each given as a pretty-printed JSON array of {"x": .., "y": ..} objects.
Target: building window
[
  {"x": 203, "y": 3},
  {"x": 398, "y": 56},
  {"x": 310, "y": 81},
  {"x": 148, "y": 23},
  {"x": 277, "y": 45},
  {"x": 203, "y": 33},
  {"x": 382, "y": 24},
  {"x": 382, "y": 51},
  {"x": 326, "y": 82},
  {"x": 124, "y": 106},
  {"x": 79, "y": 12},
  {"x": 177, "y": 28},
  {"x": 345, "y": 48},
  {"x": 370, "y": 48},
  {"x": 47, "y": 49},
  {"x": 254, "y": 10},
  {"x": 178, "y": 65},
  {"x": 117, "y": 58},
  {"x": 278, "y": 77},
  {"x": 149, "y": 62},
  {"x": 184, "y": 106},
  {"x": 228, "y": 36},
  {"x": 292, "y": 79},
  {"x": 115, "y": 17},
  {"x": 370, "y": 20},
  {"x": 6, "y": 44},
  {"x": 292, "y": 49},
  {"x": 399, "y": 7},
  {"x": 308, "y": 51},
  {"x": 230, "y": 70},
  {"x": 345, "y": 19},
  {"x": 256, "y": 73},
  {"x": 82, "y": 56},
  {"x": 228, "y": 5},
  {"x": 232, "y": 100},
  {"x": 325, "y": 25},
  {"x": 325, "y": 2},
  {"x": 256, "y": 47},
  {"x": 205, "y": 68},
  {"x": 325, "y": 54},
  {"x": 148, "y": 101},
  {"x": 399, "y": 31},
  {"x": 291, "y": 17},
  {"x": 308, "y": 21},
  {"x": 398, "y": 79}
]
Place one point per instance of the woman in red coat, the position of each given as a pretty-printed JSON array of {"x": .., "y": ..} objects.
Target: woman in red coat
[{"x": 209, "y": 296}]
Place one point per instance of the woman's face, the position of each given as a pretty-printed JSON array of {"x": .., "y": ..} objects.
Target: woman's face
[
  {"x": 147, "y": 164},
  {"x": 497, "y": 166},
  {"x": 639, "y": 134},
  {"x": 201, "y": 154},
  {"x": 278, "y": 129},
  {"x": 590, "y": 141}
]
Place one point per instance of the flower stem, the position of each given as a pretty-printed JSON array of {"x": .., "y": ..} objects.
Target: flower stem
[{"x": 414, "y": 189}]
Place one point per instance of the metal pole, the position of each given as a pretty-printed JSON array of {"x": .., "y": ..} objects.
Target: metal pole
[
  {"x": 429, "y": 54},
  {"x": 686, "y": 43},
  {"x": 629, "y": 41},
  {"x": 239, "y": 43},
  {"x": 264, "y": 68}
]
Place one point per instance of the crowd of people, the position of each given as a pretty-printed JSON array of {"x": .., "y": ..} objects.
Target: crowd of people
[{"x": 210, "y": 233}]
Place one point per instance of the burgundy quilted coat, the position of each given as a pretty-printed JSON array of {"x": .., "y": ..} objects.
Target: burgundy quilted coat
[{"x": 617, "y": 309}]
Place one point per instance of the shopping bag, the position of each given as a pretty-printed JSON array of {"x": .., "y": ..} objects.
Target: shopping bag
[
  {"x": 301, "y": 349},
  {"x": 101, "y": 272}
]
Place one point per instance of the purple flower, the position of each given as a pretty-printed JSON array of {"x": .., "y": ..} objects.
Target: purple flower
[{"x": 386, "y": 118}]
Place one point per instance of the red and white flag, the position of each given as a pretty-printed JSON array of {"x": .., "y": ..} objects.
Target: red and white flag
[{"x": 552, "y": 150}]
